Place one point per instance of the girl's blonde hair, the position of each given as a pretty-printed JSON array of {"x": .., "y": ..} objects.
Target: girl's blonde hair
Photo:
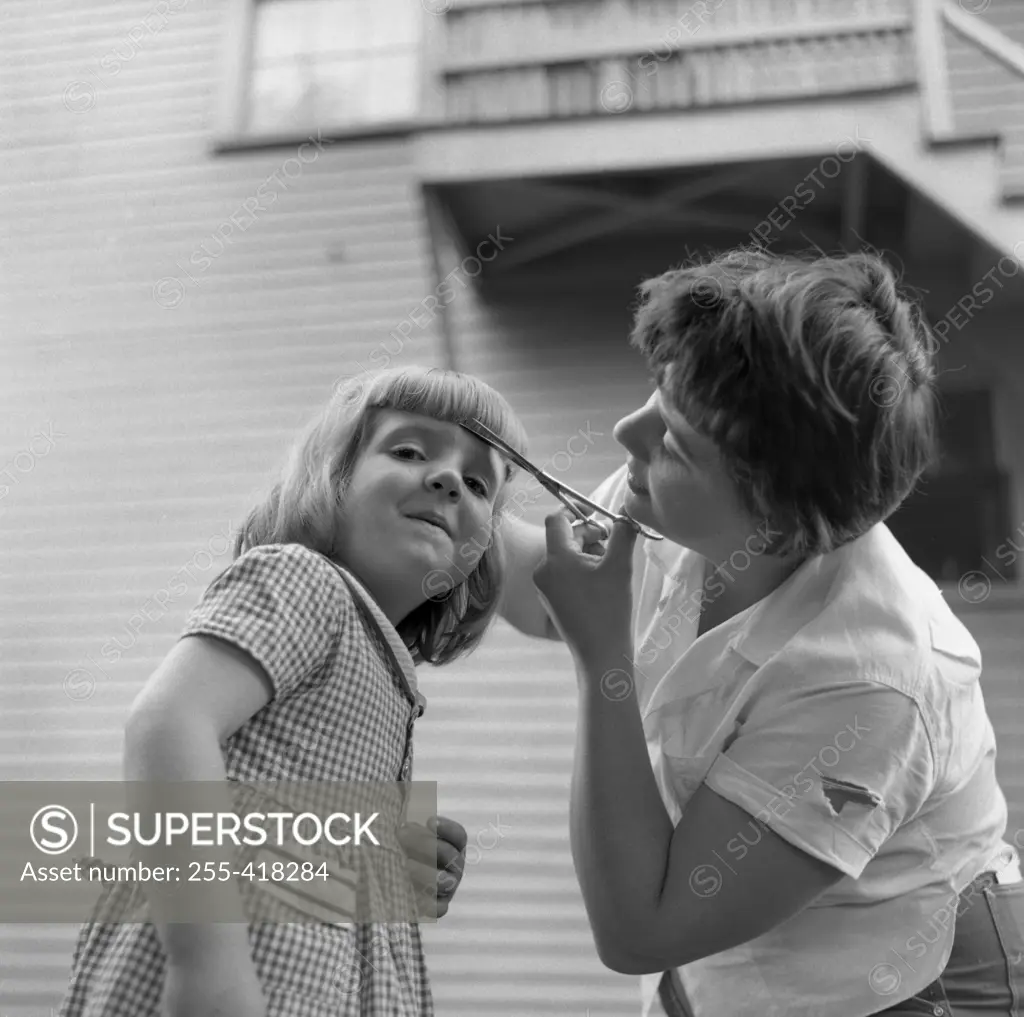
[{"x": 303, "y": 505}]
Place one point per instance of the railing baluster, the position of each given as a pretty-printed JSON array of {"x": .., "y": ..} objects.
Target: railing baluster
[
  {"x": 532, "y": 59},
  {"x": 932, "y": 69}
]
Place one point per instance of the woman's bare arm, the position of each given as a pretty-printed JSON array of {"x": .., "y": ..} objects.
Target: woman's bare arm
[{"x": 525, "y": 547}]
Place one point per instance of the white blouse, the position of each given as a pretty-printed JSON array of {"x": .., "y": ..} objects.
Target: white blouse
[{"x": 844, "y": 711}]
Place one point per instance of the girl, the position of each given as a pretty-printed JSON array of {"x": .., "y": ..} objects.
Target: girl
[
  {"x": 784, "y": 798},
  {"x": 377, "y": 549}
]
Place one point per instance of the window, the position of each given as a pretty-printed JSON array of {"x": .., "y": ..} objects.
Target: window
[{"x": 332, "y": 64}]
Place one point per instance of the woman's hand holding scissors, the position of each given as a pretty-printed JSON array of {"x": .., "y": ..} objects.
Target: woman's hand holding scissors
[{"x": 587, "y": 587}]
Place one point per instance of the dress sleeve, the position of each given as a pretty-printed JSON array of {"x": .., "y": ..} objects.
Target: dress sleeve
[
  {"x": 283, "y": 604},
  {"x": 833, "y": 769}
]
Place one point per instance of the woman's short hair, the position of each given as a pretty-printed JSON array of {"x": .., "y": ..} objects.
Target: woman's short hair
[
  {"x": 303, "y": 506},
  {"x": 813, "y": 377}
]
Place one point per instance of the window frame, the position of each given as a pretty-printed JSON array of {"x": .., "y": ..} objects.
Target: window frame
[{"x": 230, "y": 132}]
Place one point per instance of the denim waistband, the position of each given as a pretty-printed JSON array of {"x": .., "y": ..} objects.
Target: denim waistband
[{"x": 1006, "y": 870}]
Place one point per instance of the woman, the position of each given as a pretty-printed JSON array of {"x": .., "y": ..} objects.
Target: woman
[{"x": 784, "y": 797}]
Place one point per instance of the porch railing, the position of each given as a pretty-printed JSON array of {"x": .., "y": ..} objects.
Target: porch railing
[{"x": 503, "y": 60}]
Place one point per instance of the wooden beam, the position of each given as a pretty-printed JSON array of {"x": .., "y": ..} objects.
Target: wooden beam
[
  {"x": 619, "y": 200},
  {"x": 684, "y": 215},
  {"x": 446, "y": 246},
  {"x": 853, "y": 222},
  {"x": 629, "y": 211},
  {"x": 666, "y": 142}
]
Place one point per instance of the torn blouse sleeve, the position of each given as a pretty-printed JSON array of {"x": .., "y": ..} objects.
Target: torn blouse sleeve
[{"x": 835, "y": 769}]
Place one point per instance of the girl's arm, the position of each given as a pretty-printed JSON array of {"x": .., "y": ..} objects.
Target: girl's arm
[{"x": 200, "y": 695}]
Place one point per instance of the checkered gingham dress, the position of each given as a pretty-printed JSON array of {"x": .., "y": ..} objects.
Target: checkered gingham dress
[{"x": 341, "y": 712}]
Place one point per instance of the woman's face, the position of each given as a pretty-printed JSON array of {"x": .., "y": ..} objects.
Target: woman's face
[
  {"x": 417, "y": 514},
  {"x": 679, "y": 485}
]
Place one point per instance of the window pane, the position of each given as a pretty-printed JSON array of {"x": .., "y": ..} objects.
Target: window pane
[
  {"x": 285, "y": 29},
  {"x": 344, "y": 28},
  {"x": 393, "y": 86},
  {"x": 395, "y": 24},
  {"x": 334, "y": 62},
  {"x": 288, "y": 27},
  {"x": 281, "y": 97},
  {"x": 341, "y": 92},
  {"x": 366, "y": 89}
]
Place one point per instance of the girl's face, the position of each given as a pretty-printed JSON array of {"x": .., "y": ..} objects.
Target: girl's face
[
  {"x": 417, "y": 515},
  {"x": 678, "y": 482}
]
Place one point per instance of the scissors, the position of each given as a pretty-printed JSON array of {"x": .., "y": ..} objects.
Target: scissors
[{"x": 555, "y": 487}]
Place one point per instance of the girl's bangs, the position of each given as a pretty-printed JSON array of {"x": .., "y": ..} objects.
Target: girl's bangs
[{"x": 449, "y": 396}]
